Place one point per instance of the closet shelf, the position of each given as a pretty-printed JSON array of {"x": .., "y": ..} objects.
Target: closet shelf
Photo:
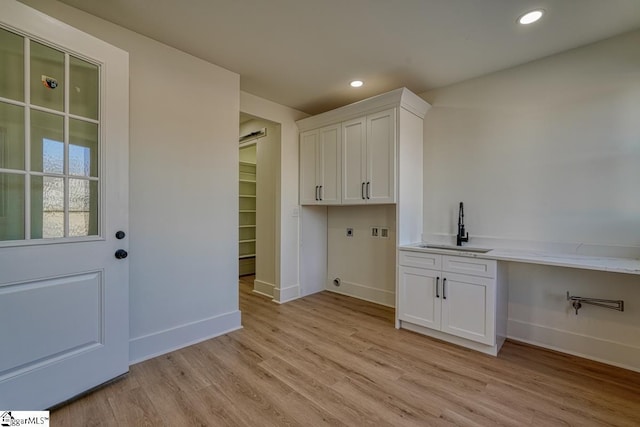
[{"x": 247, "y": 214}]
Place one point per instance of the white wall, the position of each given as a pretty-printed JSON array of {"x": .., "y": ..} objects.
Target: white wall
[
  {"x": 546, "y": 152},
  {"x": 267, "y": 171},
  {"x": 184, "y": 118},
  {"x": 287, "y": 209},
  {"x": 547, "y": 155},
  {"x": 365, "y": 265}
]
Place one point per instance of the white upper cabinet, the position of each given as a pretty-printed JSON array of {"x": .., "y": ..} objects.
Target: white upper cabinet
[
  {"x": 369, "y": 159},
  {"x": 372, "y": 137},
  {"x": 381, "y": 157},
  {"x": 320, "y": 171},
  {"x": 308, "y": 167},
  {"x": 354, "y": 160}
]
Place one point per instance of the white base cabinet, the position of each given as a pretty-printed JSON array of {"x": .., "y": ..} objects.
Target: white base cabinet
[{"x": 454, "y": 298}]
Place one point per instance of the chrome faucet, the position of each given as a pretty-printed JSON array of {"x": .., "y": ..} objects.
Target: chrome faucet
[{"x": 461, "y": 237}]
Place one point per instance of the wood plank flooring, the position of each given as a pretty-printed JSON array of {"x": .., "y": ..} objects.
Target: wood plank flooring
[{"x": 333, "y": 360}]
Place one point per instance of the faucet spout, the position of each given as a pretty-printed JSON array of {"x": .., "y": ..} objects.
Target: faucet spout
[{"x": 461, "y": 237}]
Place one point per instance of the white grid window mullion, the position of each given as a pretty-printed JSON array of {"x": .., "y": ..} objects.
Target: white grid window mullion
[
  {"x": 27, "y": 138},
  {"x": 66, "y": 145}
]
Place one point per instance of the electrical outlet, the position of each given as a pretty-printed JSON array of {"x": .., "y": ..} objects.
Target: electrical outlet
[
  {"x": 375, "y": 232},
  {"x": 384, "y": 232},
  {"x": 349, "y": 232}
]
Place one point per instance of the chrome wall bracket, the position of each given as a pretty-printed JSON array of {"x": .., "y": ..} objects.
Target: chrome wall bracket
[{"x": 576, "y": 302}]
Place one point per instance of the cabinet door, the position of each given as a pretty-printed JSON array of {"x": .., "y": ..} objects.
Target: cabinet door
[
  {"x": 308, "y": 167},
  {"x": 381, "y": 157},
  {"x": 353, "y": 161},
  {"x": 330, "y": 173},
  {"x": 468, "y": 307},
  {"x": 419, "y": 296}
]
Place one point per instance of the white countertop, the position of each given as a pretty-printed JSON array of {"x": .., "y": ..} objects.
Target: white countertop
[{"x": 614, "y": 265}]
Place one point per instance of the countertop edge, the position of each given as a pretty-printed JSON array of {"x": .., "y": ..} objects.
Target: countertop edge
[{"x": 583, "y": 262}]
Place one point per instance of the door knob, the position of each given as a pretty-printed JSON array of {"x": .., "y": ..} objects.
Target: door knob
[
  {"x": 120, "y": 235},
  {"x": 121, "y": 254}
]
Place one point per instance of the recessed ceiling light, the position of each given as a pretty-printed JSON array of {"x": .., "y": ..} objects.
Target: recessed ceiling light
[
  {"x": 356, "y": 83},
  {"x": 531, "y": 17}
]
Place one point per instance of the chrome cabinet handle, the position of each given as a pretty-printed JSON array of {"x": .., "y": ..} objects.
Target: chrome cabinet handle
[
  {"x": 316, "y": 192},
  {"x": 362, "y": 191},
  {"x": 437, "y": 287},
  {"x": 320, "y": 193},
  {"x": 444, "y": 288},
  {"x": 368, "y": 188}
]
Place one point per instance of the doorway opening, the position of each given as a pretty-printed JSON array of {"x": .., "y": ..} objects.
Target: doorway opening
[{"x": 259, "y": 162}]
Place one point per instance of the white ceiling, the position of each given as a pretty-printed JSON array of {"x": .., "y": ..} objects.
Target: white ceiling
[{"x": 303, "y": 53}]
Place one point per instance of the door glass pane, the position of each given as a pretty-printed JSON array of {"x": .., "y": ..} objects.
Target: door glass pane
[
  {"x": 83, "y": 148},
  {"x": 12, "y": 69},
  {"x": 47, "y": 142},
  {"x": 11, "y": 136},
  {"x": 11, "y": 206},
  {"x": 83, "y": 207},
  {"x": 47, "y": 77},
  {"x": 83, "y": 85},
  {"x": 47, "y": 207}
]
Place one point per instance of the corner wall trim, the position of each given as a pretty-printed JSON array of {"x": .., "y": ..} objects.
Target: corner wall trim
[
  {"x": 282, "y": 295},
  {"x": 263, "y": 288},
  {"x": 588, "y": 347},
  {"x": 162, "y": 342}
]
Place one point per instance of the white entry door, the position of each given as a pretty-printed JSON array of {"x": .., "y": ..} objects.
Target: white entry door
[{"x": 64, "y": 313}]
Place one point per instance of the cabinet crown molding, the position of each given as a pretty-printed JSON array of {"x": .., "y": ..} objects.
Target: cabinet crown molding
[{"x": 401, "y": 97}]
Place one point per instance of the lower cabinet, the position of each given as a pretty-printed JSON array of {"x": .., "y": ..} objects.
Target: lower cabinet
[{"x": 457, "y": 297}]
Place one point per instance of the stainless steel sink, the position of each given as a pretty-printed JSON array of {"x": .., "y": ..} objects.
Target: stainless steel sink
[{"x": 456, "y": 248}]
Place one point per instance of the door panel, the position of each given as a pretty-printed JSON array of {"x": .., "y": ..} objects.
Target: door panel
[
  {"x": 308, "y": 168},
  {"x": 353, "y": 161},
  {"x": 468, "y": 307},
  {"x": 72, "y": 304},
  {"x": 419, "y": 301},
  {"x": 381, "y": 156},
  {"x": 64, "y": 308},
  {"x": 330, "y": 173}
]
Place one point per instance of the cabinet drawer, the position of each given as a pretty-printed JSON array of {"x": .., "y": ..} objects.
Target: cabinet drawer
[
  {"x": 420, "y": 260},
  {"x": 471, "y": 266}
]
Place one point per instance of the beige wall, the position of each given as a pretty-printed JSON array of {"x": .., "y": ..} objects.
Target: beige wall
[
  {"x": 248, "y": 154},
  {"x": 183, "y": 212}
]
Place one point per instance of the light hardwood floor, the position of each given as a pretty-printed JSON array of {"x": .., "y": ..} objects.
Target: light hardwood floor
[{"x": 333, "y": 360}]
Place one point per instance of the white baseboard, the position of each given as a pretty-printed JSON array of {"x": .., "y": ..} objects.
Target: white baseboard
[
  {"x": 263, "y": 288},
  {"x": 162, "y": 342},
  {"x": 282, "y": 295},
  {"x": 600, "y": 350},
  {"x": 363, "y": 292}
]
